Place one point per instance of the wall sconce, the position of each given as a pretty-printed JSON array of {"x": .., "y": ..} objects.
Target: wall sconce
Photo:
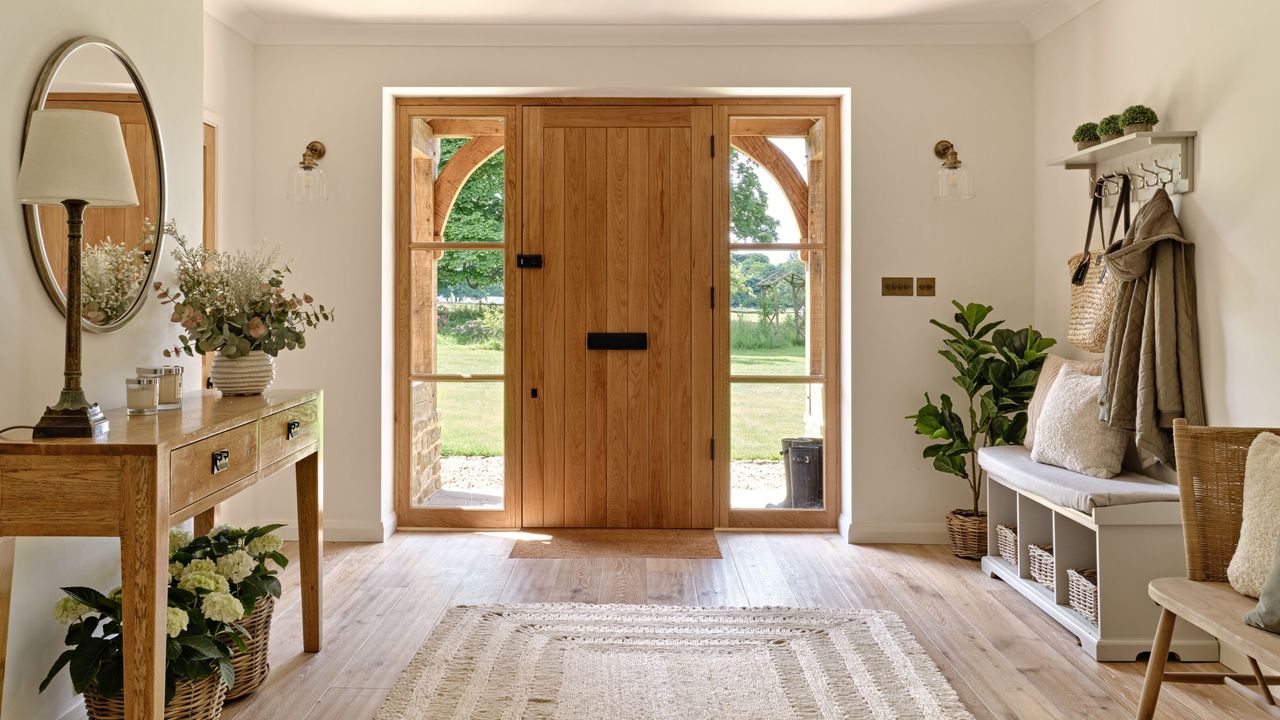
[
  {"x": 306, "y": 182},
  {"x": 954, "y": 182}
]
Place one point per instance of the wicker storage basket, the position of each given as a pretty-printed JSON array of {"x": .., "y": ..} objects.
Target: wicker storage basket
[
  {"x": 1082, "y": 593},
  {"x": 200, "y": 700},
  {"x": 968, "y": 534},
  {"x": 1007, "y": 541},
  {"x": 1040, "y": 560},
  {"x": 250, "y": 664}
]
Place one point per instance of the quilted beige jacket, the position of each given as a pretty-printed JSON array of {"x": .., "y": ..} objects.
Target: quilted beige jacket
[{"x": 1151, "y": 365}]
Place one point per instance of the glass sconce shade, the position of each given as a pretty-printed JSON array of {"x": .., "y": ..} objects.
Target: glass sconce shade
[
  {"x": 307, "y": 184},
  {"x": 954, "y": 184}
]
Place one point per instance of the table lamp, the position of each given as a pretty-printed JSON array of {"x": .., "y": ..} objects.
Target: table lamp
[{"x": 74, "y": 158}]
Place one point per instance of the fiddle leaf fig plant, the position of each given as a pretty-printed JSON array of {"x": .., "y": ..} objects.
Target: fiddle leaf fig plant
[{"x": 997, "y": 369}]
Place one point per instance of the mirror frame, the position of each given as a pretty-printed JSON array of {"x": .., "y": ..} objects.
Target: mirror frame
[{"x": 34, "y": 238}]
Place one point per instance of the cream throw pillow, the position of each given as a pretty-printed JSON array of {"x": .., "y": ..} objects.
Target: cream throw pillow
[
  {"x": 1053, "y": 365},
  {"x": 1069, "y": 433},
  {"x": 1256, "y": 550}
]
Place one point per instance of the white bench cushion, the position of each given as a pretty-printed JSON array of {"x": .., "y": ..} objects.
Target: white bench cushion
[{"x": 1012, "y": 466}]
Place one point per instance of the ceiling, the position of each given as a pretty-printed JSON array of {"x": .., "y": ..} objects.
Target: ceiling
[
  {"x": 962, "y": 20},
  {"x": 643, "y": 11}
]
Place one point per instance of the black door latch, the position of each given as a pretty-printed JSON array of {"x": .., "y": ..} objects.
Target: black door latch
[{"x": 528, "y": 261}]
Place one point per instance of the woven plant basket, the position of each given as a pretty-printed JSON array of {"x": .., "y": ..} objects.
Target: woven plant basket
[
  {"x": 968, "y": 534},
  {"x": 1040, "y": 563},
  {"x": 250, "y": 664},
  {"x": 199, "y": 700},
  {"x": 1007, "y": 541},
  {"x": 1082, "y": 593}
]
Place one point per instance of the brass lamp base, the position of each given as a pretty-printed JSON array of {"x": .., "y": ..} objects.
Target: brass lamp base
[{"x": 71, "y": 418}]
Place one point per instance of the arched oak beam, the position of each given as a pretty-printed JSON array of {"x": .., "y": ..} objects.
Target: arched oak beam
[
  {"x": 758, "y": 148},
  {"x": 455, "y": 174}
]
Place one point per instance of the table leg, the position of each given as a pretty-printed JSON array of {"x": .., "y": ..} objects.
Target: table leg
[
  {"x": 144, "y": 572},
  {"x": 206, "y": 521},
  {"x": 6, "y": 593},
  {"x": 310, "y": 545}
]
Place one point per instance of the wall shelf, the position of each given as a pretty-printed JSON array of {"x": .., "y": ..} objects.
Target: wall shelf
[{"x": 1171, "y": 149}]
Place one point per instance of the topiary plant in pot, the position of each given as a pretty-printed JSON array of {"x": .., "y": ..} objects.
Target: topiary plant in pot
[
  {"x": 1110, "y": 128},
  {"x": 997, "y": 372},
  {"x": 1138, "y": 118},
  {"x": 1086, "y": 136}
]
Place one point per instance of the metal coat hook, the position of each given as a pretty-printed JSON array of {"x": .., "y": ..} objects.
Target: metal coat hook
[{"x": 1163, "y": 182}]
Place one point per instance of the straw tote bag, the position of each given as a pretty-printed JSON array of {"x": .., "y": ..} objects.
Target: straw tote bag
[{"x": 1093, "y": 289}]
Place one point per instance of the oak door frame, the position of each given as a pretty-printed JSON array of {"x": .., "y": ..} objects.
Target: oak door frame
[
  {"x": 813, "y": 106},
  {"x": 827, "y": 518},
  {"x": 407, "y": 109}
]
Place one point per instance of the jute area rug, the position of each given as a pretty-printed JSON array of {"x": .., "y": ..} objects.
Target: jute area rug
[
  {"x": 587, "y": 543},
  {"x": 628, "y": 662}
]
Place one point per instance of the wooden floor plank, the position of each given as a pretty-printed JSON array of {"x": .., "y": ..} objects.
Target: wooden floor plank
[{"x": 1004, "y": 658}]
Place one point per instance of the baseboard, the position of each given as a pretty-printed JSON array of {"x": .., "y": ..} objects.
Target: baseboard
[
  {"x": 862, "y": 533},
  {"x": 843, "y": 526},
  {"x": 374, "y": 532}
]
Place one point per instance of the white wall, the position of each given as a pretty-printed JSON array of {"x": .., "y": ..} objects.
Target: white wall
[
  {"x": 903, "y": 100},
  {"x": 31, "y": 352},
  {"x": 1208, "y": 67}
]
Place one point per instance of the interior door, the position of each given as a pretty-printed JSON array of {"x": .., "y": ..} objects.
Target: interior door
[{"x": 618, "y": 205}]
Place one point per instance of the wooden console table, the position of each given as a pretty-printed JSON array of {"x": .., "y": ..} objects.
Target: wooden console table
[{"x": 149, "y": 474}]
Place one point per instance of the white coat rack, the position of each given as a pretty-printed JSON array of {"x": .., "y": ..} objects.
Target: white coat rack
[{"x": 1150, "y": 159}]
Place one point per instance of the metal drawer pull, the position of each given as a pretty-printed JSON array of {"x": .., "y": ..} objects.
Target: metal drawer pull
[
  {"x": 221, "y": 461},
  {"x": 291, "y": 430}
]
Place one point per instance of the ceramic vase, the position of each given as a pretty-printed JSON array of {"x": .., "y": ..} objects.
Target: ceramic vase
[{"x": 247, "y": 375}]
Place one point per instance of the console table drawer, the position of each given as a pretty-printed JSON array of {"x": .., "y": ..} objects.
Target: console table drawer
[
  {"x": 204, "y": 467},
  {"x": 288, "y": 431}
]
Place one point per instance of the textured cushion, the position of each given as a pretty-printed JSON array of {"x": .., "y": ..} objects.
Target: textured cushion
[
  {"x": 1069, "y": 433},
  {"x": 1053, "y": 364},
  {"x": 1013, "y": 466},
  {"x": 1255, "y": 552},
  {"x": 1267, "y": 614}
]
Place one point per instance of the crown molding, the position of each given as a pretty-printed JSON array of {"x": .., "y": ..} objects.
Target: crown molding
[
  {"x": 492, "y": 35},
  {"x": 237, "y": 16},
  {"x": 1054, "y": 15}
]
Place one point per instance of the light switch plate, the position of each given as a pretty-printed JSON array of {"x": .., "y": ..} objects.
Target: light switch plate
[
  {"x": 926, "y": 286},
  {"x": 897, "y": 286}
]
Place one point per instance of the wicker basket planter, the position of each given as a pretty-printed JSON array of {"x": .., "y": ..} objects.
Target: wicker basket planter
[
  {"x": 1007, "y": 542},
  {"x": 1040, "y": 562},
  {"x": 967, "y": 533},
  {"x": 250, "y": 664},
  {"x": 1082, "y": 593},
  {"x": 200, "y": 700}
]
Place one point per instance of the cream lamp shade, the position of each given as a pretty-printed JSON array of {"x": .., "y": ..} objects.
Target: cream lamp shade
[{"x": 76, "y": 155}]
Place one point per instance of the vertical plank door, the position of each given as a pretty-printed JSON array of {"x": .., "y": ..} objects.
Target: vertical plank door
[{"x": 619, "y": 206}]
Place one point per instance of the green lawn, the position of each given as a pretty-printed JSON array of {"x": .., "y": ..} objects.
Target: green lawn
[{"x": 762, "y": 414}]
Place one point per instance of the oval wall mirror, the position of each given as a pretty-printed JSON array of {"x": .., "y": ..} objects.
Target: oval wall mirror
[{"x": 121, "y": 245}]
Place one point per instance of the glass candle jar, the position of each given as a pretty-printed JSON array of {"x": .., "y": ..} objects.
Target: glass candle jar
[
  {"x": 170, "y": 379},
  {"x": 142, "y": 395},
  {"x": 171, "y": 387}
]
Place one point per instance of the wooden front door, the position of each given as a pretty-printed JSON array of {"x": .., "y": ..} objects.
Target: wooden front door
[{"x": 618, "y": 204}]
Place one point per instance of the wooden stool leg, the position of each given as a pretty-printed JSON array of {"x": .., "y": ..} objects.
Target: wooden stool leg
[
  {"x": 1155, "y": 665},
  {"x": 6, "y": 592}
]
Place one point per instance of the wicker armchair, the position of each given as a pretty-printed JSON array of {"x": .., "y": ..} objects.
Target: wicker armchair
[{"x": 1211, "y": 462}]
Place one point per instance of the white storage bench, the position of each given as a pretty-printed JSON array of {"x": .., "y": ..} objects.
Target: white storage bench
[{"x": 1127, "y": 528}]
